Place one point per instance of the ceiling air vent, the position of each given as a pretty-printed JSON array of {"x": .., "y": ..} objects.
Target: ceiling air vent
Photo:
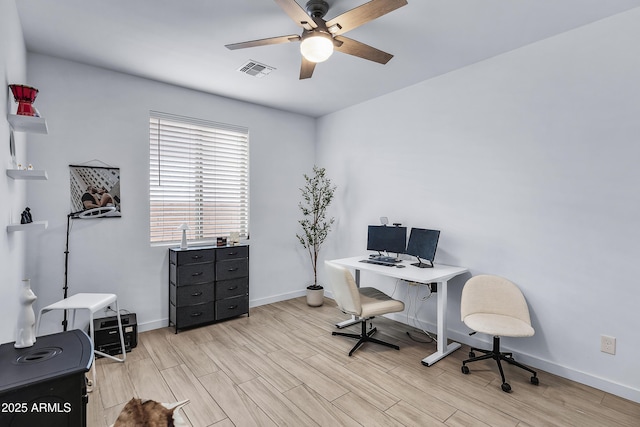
[{"x": 255, "y": 69}]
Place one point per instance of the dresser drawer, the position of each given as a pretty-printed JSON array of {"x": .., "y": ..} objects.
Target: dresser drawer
[
  {"x": 181, "y": 258},
  {"x": 195, "y": 314},
  {"x": 232, "y": 288},
  {"x": 192, "y": 294},
  {"x": 232, "y": 269},
  {"x": 193, "y": 274},
  {"x": 232, "y": 307},
  {"x": 232, "y": 252}
]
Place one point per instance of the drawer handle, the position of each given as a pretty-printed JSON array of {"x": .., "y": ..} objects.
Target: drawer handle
[
  {"x": 232, "y": 307},
  {"x": 232, "y": 288},
  {"x": 196, "y": 294},
  {"x": 233, "y": 269},
  {"x": 196, "y": 314},
  {"x": 197, "y": 274},
  {"x": 197, "y": 256}
]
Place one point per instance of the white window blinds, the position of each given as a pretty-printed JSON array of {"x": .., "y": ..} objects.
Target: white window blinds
[{"x": 198, "y": 175}]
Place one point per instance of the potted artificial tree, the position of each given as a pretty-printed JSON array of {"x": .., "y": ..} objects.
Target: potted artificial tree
[{"x": 317, "y": 194}]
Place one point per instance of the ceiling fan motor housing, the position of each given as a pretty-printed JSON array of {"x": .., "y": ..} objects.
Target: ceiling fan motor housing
[{"x": 317, "y": 8}]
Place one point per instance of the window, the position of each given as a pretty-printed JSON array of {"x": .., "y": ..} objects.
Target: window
[{"x": 198, "y": 175}]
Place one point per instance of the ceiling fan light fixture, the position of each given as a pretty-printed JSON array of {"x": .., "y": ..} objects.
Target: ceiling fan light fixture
[{"x": 317, "y": 47}]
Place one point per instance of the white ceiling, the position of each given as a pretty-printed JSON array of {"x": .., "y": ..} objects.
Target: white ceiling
[{"x": 182, "y": 42}]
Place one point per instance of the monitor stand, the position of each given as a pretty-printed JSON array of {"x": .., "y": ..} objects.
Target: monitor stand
[{"x": 421, "y": 264}]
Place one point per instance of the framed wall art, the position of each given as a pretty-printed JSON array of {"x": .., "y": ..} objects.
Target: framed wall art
[{"x": 95, "y": 191}]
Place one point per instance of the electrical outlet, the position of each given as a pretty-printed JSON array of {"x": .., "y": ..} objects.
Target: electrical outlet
[{"x": 607, "y": 344}]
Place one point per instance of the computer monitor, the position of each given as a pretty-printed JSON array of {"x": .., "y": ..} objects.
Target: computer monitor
[
  {"x": 422, "y": 245},
  {"x": 386, "y": 239}
]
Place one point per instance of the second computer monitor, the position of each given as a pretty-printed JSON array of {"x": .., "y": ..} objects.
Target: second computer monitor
[
  {"x": 422, "y": 245},
  {"x": 386, "y": 239}
]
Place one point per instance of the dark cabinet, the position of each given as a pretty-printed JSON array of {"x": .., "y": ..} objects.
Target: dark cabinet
[
  {"x": 44, "y": 385},
  {"x": 207, "y": 284}
]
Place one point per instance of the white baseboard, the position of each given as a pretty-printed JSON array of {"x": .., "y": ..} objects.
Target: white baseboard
[
  {"x": 277, "y": 298},
  {"x": 155, "y": 324}
]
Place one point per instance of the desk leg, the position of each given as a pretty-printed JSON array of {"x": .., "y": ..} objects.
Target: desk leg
[
  {"x": 443, "y": 348},
  {"x": 354, "y": 319}
]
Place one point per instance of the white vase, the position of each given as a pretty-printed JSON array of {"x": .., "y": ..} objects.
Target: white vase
[{"x": 26, "y": 330}]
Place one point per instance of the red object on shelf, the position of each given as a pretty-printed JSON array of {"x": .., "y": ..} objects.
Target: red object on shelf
[{"x": 25, "y": 96}]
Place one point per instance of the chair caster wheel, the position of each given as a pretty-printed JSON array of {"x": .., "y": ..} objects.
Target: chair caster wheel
[
  {"x": 465, "y": 369},
  {"x": 534, "y": 381},
  {"x": 471, "y": 355},
  {"x": 506, "y": 387}
]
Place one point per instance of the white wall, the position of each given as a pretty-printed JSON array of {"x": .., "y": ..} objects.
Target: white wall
[
  {"x": 13, "y": 60},
  {"x": 97, "y": 114},
  {"x": 527, "y": 163}
]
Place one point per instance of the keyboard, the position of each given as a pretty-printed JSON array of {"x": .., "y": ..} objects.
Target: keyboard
[{"x": 373, "y": 261}]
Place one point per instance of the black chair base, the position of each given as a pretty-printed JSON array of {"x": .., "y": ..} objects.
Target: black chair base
[
  {"x": 496, "y": 355},
  {"x": 364, "y": 337}
]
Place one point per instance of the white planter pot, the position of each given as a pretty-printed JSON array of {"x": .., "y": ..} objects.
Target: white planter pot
[{"x": 315, "y": 297}]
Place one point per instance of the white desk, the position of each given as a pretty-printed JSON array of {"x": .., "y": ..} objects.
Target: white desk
[{"x": 439, "y": 274}]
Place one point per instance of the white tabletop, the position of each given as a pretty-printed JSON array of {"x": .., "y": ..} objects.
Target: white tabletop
[{"x": 439, "y": 272}]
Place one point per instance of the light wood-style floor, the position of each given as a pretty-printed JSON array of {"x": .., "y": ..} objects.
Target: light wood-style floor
[{"x": 282, "y": 367}]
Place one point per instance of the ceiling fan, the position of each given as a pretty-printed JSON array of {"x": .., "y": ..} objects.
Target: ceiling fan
[{"x": 319, "y": 37}]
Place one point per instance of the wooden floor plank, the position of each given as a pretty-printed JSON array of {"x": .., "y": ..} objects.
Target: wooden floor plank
[
  {"x": 280, "y": 409},
  {"x": 228, "y": 361},
  {"x": 318, "y": 408},
  {"x": 202, "y": 410},
  {"x": 114, "y": 383},
  {"x": 266, "y": 368},
  {"x": 148, "y": 383},
  {"x": 241, "y": 410},
  {"x": 409, "y": 415},
  {"x": 192, "y": 355},
  {"x": 360, "y": 386},
  {"x": 411, "y": 395},
  {"x": 156, "y": 344},
  {"x": 306, "y": 373},
  {"x": 365, "y": 413}
]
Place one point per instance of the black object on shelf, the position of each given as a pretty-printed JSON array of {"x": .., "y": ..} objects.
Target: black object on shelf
[
  {"x": 44, "y": 385},
  {"x": 25, "y": 217}
]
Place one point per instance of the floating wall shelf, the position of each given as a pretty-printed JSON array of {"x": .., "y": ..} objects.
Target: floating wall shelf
[
  {"x": 35, "y": 225},
  {"x": 28, "y": 124},
  {"x": 28, "y": 174}
]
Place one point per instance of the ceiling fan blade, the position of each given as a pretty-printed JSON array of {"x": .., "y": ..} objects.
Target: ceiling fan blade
[
  {"x": 264, "y": 42},
  {"x": 362, "y": 14},
  {"x": 306, "y": 69},
  {"x": 353, "y": 47},
  {"x": 297, "y": 13}
]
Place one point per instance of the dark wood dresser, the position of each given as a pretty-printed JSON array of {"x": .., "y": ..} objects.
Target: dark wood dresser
[{"x": 207, "y": 284}]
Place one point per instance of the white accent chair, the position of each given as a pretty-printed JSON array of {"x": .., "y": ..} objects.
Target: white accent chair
[
  {"x": 92, "y": 303},
  {"x": 496, "y": 306},
  {"x": 364, "y": 303}
]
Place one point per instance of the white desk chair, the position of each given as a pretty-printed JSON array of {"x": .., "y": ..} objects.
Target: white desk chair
[
  {"x": 365, "y": 303},
  {"x": 496, "y": 306},
  {"x": 91, "y": 303}
]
